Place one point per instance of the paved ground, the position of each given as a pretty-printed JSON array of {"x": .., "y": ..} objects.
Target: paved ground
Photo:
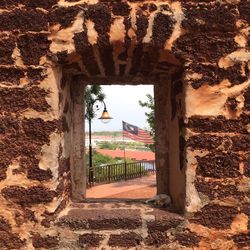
[{"x": 139, "y": 188}]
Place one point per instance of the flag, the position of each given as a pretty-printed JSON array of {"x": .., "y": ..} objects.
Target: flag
[{"x": 135, "y": 133}]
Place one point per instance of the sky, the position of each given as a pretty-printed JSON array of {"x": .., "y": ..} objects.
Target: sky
[{"x": 122, "y": 103}]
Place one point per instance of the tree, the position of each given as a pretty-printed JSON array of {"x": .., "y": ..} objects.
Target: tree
[
  {"x": 100, "y": 159},
  {"x": 150, "y": 117},
  {"x": 108, "y": 145},
  {"x": 92, "y": 93}
]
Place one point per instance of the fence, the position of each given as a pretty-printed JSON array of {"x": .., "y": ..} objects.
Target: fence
[{"x": 121, "y": 171}]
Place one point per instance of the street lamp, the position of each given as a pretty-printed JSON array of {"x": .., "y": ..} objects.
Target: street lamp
[{"x": 105, "y": 118}]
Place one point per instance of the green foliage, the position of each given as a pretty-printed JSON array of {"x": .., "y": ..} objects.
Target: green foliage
[
  {"x": 108, "y": 145},
  {"x": 92, "y": 93},
  {"x": 150, "y": 117},
  {"x": 100, "y": 159},
  {"x": 122, "y": 147}
]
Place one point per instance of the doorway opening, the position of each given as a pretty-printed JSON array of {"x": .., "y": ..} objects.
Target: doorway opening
[
  {"x": 121, "y": 152},
  {"x": 168, "y": 98}
]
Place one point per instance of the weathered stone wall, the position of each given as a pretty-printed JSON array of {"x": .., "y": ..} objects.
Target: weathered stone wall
[{"x": 124, "y": 41}]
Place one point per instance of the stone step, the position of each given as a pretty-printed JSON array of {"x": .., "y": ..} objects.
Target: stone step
[
  {"x": 105, "y": 216},
  {"x": 124, "y": 225},
  {"x": 102, "y": 219}
]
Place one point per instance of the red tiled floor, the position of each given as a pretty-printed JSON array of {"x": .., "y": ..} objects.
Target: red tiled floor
[{"x": 144, "y": 187}]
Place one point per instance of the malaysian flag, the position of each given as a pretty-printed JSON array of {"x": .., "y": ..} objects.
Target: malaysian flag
[{"x": 136, "y": 134}]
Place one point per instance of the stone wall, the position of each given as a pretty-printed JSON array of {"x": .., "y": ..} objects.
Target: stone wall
[{"x": 45, "y": 43}]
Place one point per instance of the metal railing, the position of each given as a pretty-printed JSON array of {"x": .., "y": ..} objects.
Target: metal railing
[{"x": 121, "y": 171}]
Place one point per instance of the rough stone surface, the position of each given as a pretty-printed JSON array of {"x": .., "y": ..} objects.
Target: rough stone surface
[
  {"x": 157, "y": 239},
  {"x": 35, "y": 75},
  {"x": 47, "y": 242},
  {"x": 83, "y": 47},
  {"x": 204, "y": 141},
  {"x": 4, "y": 224},
  {"x": 21, "y": 20},
  {"x": 241, "y": 143},
  {"x": 7, "y": 46},
  {"x": 33, "y": 47},
  {"x": 244, "y": 10},
  {"x": 10, "y": 241},
  {"x": 124, "y": 240},
  {"x": 64, "y": 166},
  {"x": 215, "y": 216},
  {"x": 121, "y": 9},
  {"x": 23, "y": 139},
  {"x": 219, "y": 17},
  {"x": 101, "y": 219},
  {"x": 142, "y": 25},
  {"x": 213, "y": 75},
  {"x": 217, "y": 164},
  {"x": 219, "y": 124},
  {"x": 11, "y": 75},
  {"x": 216, "y": 189},
  {"x": 35, "y": 173},
  {"x": 188, "y": 239},
  {"x": 33, "y": 98},
  {"x": 26, "y": 197},
  {"x": 198, "y": 49},
  {"x": 241, "y": 240},
  {"x": 247, "y": 166},
  {"x": 247, "y": 100},
  {"x": 90, "y": 240},
  {"x": 162, "y": 29},
  {"x": 204, "y": 47},
  {"x": 63, "y": 16},
  {"x": 164, "y": 221}
]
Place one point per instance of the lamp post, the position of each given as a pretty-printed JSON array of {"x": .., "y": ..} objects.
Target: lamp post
[{"x": 105, "y": 118}]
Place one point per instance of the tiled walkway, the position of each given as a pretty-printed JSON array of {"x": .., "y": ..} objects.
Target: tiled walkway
[{"x": 139, "y": 188}]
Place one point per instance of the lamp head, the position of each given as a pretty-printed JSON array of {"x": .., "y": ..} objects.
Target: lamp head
[{"x": 105, "y": 118}]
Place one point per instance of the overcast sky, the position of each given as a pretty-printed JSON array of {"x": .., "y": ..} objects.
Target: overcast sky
[{"x": 122, "y": 104}]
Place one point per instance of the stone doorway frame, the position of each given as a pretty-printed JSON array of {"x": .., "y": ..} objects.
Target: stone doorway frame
[{"x": 170, "y": 175}]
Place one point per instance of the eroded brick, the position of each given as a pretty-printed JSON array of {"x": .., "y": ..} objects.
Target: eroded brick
[
  {"x": 28, "y": 196},
  {"x": 23, "y": 20},
  {"x": 241, "y": 240},
  {"x": 124, "y": 240},
  {"x": 205, "y": 47},
  {"x": 219, "y": 165},
  {"x": 33, "y": 47},
  {"x": 162, "y": 29},
  {"x": 219, "y": 124},
  {"x": 7, "y": 46},
  {"x": 157, "y": 239},
  {"x": 90, "y": 240},
  {"x": 187, "y": 238},
  {"x": 19, "y": 99},
  {"x": 215, "y": 216},
  {"x": 215, "y": 16},
  {"x": 44, "y": 242},
  {"x": 218, "y": 189}
]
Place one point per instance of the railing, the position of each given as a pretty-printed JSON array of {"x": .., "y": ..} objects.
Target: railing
[{"x": 121, "y": 171}]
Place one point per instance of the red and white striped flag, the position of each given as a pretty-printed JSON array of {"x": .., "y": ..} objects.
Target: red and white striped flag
[{"x": 135, "y": 133}]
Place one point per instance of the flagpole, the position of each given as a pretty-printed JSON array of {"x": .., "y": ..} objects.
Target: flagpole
[
  {"x": 124, "y": 155},
  {"x": 124, "y": 151}
]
